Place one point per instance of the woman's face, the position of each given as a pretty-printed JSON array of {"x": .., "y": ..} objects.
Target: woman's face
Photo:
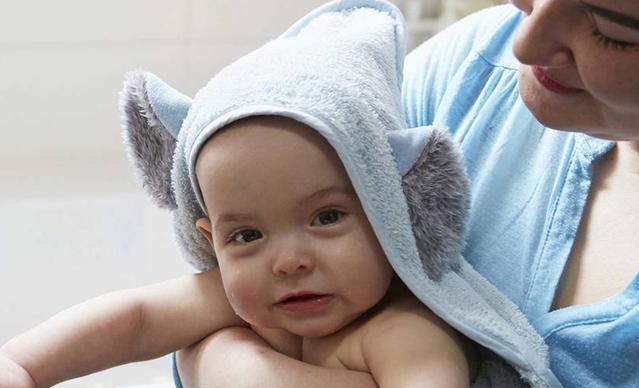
[{"x": 580, "y": 65}]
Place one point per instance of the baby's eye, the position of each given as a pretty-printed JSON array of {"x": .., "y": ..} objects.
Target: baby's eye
[
  {"x": 245, "y": 236},
  {"x": 327, "y": 217}
]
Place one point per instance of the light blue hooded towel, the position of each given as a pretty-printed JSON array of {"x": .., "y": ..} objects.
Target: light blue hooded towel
[{"x": 339, "y": 70}]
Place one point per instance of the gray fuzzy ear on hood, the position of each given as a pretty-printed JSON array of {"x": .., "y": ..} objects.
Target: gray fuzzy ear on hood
[
  {"x": 149, "y": 142},
  {"x": 437, "y": 193}
]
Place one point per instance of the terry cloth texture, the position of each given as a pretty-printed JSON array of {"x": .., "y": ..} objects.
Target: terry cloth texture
[{"x": 339, "y": 70}]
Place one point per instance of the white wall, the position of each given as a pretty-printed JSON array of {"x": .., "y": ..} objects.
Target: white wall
[{"x": 73, "y": 223}]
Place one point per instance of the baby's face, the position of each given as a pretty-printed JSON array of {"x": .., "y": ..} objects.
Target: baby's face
[{"x": 295, "y": 249}]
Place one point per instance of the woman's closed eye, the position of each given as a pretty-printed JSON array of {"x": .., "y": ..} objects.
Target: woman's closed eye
[
  {"x": 609, "y": 42},
  {"x": 613, "y": 30},
  {"x": 328, "y": 217},
  {"x": 244, "y": 236}
]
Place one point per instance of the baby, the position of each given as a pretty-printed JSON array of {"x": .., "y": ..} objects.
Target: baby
[
  {"x": 298, "y": 262},
  {"x": 301, "y": 264},
  {"x": 297, "y": 192}
]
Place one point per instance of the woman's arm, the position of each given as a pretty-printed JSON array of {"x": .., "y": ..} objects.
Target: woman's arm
[
  {"x": 121, "y": 327},
  {"x": 239, "y": 358}
]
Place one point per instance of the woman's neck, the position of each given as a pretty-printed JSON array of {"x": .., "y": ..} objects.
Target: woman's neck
[
  {"x": 618, "y": 170},
  {"x": 628, "y": 158}
]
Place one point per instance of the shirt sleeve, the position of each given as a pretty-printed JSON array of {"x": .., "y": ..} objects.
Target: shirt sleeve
[{"x": 429, "y": 68}]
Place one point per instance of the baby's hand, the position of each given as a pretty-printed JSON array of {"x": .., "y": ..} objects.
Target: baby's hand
[{"x": 13, "y": 375}]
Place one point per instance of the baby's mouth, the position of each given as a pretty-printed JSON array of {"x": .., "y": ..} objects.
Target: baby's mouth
[{"x": 304, "y": 301}]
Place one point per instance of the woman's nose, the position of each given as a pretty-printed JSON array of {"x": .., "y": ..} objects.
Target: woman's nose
[
  {"x": 292, "y": 260},
  {"x": 543, "y": 37}
]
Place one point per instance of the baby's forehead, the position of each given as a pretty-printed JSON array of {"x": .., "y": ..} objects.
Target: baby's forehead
[
  {"x": 269, "y": 138},
  {"x": 275, "y": 135}
]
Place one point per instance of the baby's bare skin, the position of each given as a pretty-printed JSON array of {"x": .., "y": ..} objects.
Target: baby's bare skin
[
  {"x": 389, "y": 334},
  {"x": 273, "y": 245},
  {"x": 362, "y": 345},
  {"x": 353, "y": 346},
  {"x": 284, "y": 220}
]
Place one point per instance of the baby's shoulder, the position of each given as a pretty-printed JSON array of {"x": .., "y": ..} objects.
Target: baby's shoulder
[
  {"x": 405, "y": 312},
  {"x": 344, "y": 349},
  {"x": 405, "y": 341}
]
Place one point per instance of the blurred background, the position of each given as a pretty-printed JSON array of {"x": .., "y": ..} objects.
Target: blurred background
[{"x": 73, "y": 222}]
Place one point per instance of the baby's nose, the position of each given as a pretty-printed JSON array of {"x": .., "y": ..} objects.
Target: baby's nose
[{"x": 292, "y": 263}]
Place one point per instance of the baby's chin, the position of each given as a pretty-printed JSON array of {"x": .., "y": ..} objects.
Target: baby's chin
[
  {"x": 308, "y": 328},
  {"x": 306, "y": 325},
  {"x": 318, "y": 331},
  {"x": 318, "y": 328}
]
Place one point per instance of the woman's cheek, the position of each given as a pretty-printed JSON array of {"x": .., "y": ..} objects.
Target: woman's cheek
[{"x": 616, "y": 87}]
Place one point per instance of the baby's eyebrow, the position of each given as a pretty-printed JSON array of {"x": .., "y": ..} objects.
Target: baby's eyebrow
[
  {"x": 323, "y": 193},
  {"x": 613, "y": 16},
  {"x": 316, "y": 196},
  {"x": 225, "y": 218}
]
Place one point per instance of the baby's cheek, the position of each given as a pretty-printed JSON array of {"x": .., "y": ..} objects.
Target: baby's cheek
[{"x": 244, "y": 298}]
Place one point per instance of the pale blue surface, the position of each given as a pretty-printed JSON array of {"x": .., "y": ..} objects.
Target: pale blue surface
[
  {"x": 529, "y": 188},
  {"x": 170, "y": 106},
  {"x": 407, "y": 145}
]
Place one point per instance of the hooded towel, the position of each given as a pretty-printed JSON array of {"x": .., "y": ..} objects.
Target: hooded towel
[{"x": 339, "y": 71}]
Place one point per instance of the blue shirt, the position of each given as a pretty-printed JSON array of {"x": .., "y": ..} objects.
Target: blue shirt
[{"x": 529, "y": 188}]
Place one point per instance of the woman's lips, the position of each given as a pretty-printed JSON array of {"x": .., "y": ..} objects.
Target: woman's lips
[
  {"x": 304, "y": 302},
  {"x": 550, "y": 83}
]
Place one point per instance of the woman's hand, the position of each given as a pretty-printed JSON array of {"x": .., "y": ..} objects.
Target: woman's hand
[{"x": 12, "y": 375}]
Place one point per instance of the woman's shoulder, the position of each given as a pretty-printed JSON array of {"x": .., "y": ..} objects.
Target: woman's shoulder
[
  {"x": 459, "y": 62},
  {"x": 487, "y": 32}
]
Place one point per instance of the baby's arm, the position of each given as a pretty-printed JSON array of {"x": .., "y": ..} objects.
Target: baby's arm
[
  {"x": 121, "y": 327},
  {"x": 238, "y": 357},
  {"x": 414, "y": 348}
]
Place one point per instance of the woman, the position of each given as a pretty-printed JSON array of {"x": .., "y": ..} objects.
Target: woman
[{"x": 554, "y": 210}]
